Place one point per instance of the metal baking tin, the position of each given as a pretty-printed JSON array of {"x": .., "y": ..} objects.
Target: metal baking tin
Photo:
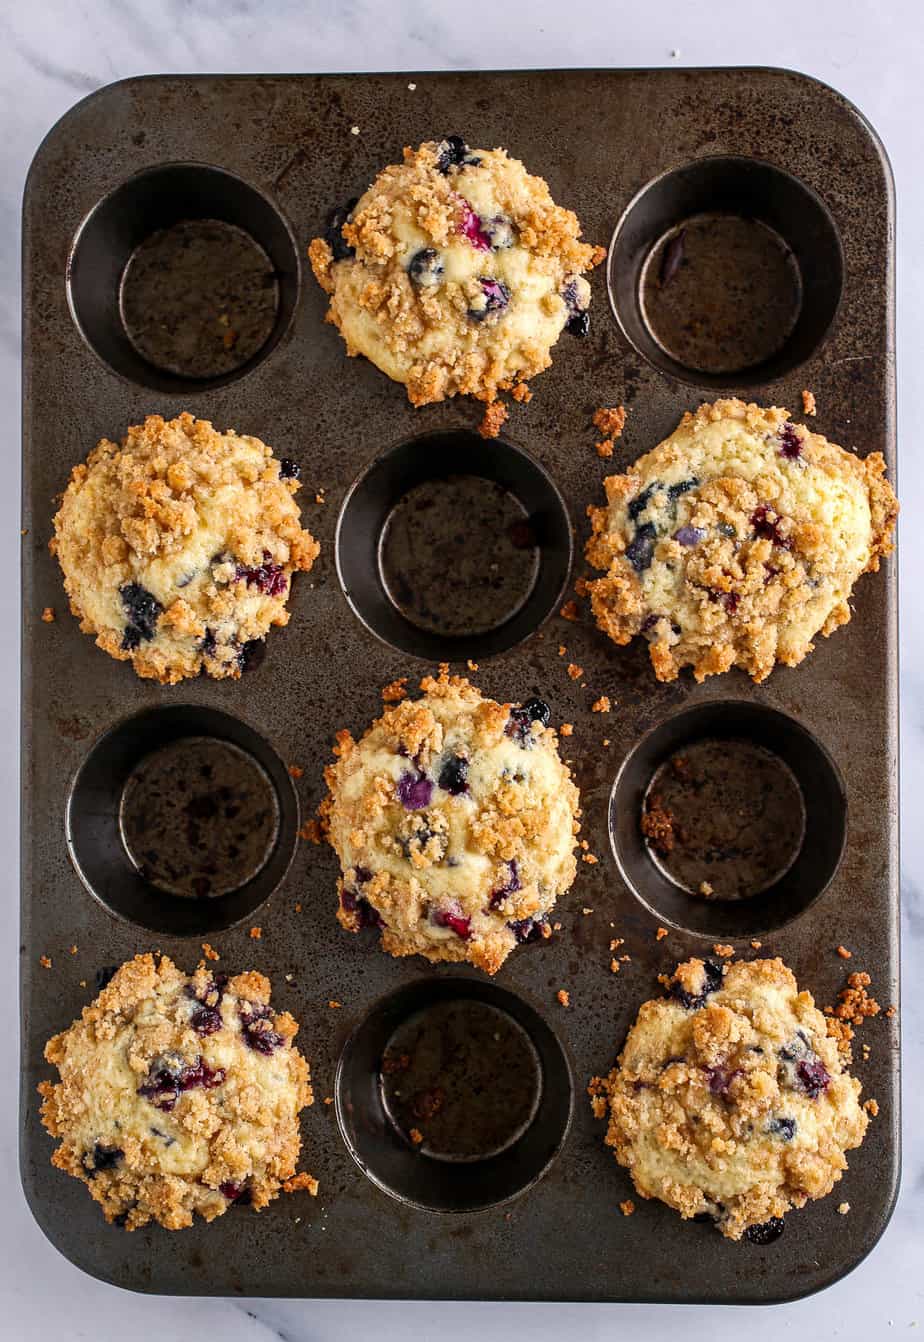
[{"x": 599, "y": 138}]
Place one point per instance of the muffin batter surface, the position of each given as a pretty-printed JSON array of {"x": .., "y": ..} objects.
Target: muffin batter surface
[
  {"x": 729, "y": 1099},
  {"x": 178, "y": 546},
  {"x": 736, "y": 541},
  {"x": 455, "y": 272},
  {"x": 178, "y": 1095},
  {"x": 454, "y": 820}
]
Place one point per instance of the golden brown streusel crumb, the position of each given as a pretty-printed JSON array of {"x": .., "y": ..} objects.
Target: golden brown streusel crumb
[
  {"x": 334, "y": 1005},
  {"x": 311, "y": 831},
  {"x": 301, "y": 1181},
  {"x": 602, "y": 705},
  {"x": 890, "y": 1012},
  {"x": 854, "y": 1002},
  {"x": 522, "y": 393},
  {"x": 298, "y": 908},
  {"x": 844, "y": 953},
  {"x": 569, "y": 611},
  {"x": 706, "y": 889},
  {"x": 756, "y": 945},
  {"x": 575, "y": 671},
  {"x": 296, "y": 771},
  {"x": 586, "y": 912},
  {"x": 48, "y": 615},
  {"x": 328, "y": 1099},
  {"x": 614, "y": 966},
  {"x": 493, "y": 419},
  {"x": 562, "y": 650},
  {"x": 627, "y": 1208},
  {"x": 416, "y": 1136},
  {"x": 45, "y": 961},
  {"x": 255, "y": 933},
  {"x": 604, "y": 448},
  {"x": 395, "y": 691},
  {"x": 661, "y": 933},
  {"x": 843, "y": 1208},
  {"x": 472, "y": 666},
  {"x": 210, "y": 952},
  {"x": 73, "y": 949},
  {"x": 808, "y": 403},
  {"x": 657, "y": 825},
  {"x": 723, "y": 951},
  {"x": 566, "y": 729},
  {"x": 590, "y": 859},
  {"x": 563, "y": 997},
  {"x": 610, "y": 422},
  {"x": 872, "y": 1107}
]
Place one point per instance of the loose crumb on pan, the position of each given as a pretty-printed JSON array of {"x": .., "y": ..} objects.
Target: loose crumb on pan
[
  {"x": 872, "y": 1107},
  {"x": 843, "y": 1208},
  {"x": 590, "y": 859},
  {"x": 328, "y": 1099},
  {"x": 569, "y": 611},
  {"x": 657, "y": 825},
  {"x": 586, "y": 912},
  {"x": 627, "y": 1207},
  {"x": 296, "y": 771},
  {"x": 45, "y": 961},
  {"x": 855, "y": 1004},
  {"x": 472, "y": 666},
  {"x": 844, "y": 953},
  {"x": 602, "y": 705},
  {"x": 564, "y": 997},
  {"x": 604, "y": 448},
  {"x": 575, "y": 671},
  {"x": 723, "y": 951},
  {"x": 562, "y": 650},
  {"x": 73, "y": 949},
  {"x": 416, "y": 1136},
  {"x": 311, "y": 831},
  {"x": 808, "y": 403},
  {"x": 255, "y": 933},
  {"x": 705, "y": 889},
  {"x": 334, "y": 1004},
  {"x": 566, "y": 729},
  {"x": 210, "y": 952},
  {"x": 610, "y": 422},
  {"x": 614, "y": 966},
  {"x": 493, "y": 419},
  {"x": 48, "y": 614},
  {"x": 756, "y": 945},
  {"x": 522, "y": 393},
  {"x": 395, "y": 691},
  {"x": 661, "y": 934}
]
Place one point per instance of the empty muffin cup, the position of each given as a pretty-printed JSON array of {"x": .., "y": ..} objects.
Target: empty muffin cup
[
  {"x": 726, "y": 272},
  {"x": 449, "y": 547},
  {"x": 453, "y": 1095},
  {"x": 182, "y": 820},
  {"x": 183, "y": 278},
  {"x": 728, "y": 820}
]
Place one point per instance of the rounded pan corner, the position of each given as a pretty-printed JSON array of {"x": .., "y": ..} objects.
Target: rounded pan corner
[{"x": 49, "y": 139}]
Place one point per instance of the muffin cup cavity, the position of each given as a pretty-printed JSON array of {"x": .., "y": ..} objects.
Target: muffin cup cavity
[
  {"x": 450, "y": 547},
  {"x": 726, "y": 272},
  {"x": 182, "y": 820},
  {"x": 453, "y": 1095},
  {"x": 183, "y": 278},
  {"x": 728, "y": 820}
]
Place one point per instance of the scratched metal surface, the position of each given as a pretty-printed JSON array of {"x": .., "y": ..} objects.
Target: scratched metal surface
[{"x": 598, "y": 137}]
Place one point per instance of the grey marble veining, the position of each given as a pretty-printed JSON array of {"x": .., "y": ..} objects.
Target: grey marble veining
[{"x": 53, "y": 52}]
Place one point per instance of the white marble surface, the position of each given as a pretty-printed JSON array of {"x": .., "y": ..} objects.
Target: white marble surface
[{"x": 52, "y": 52}]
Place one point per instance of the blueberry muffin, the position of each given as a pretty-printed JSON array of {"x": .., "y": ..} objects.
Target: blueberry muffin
[
  {"x": 455, "y": 272},
  {"x": 178, "y": 546},
  {"x": 729, "y": 1100},
  {"x": 454, "y": 820},
  {"x": 178, "y": 1095},
  {"x": 736, "y": 541}
]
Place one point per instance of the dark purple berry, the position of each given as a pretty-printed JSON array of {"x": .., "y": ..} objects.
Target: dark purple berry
[
  {"x": 681, "y": 487},
  {"x": 766, "y": 1232},
  {"x": 352, "y": 902},
  {"x": 689, "y": 536},
  {"x": 500, "y": 232},
  {"x": 640, "y": 550},
  {"x": 726, "y": 529},
  {"x": 251, "y": 654},
  {"x": 578, "y": 322},
  {"x": 720, "y": 1079},
  {"x": 509, "y": 887},
  {"x": 496, "y": 298},
  {"x": 168, "y": 1080},
  {"x": 268, "y": 578},
  {"x": 529, "y": 929},
  {"x": 289, "y": 469},
  {"x": 470, "y": 226},
  {"x": 783, "y": 1127},
  {"x": 257, "y": 1027},
  {"x": 813, "y": 1076},
  {"x": 237, "y": 1193},
  {"x": 206, "y": 1020},
  {"x": 209, "y": 645},
  {"x": 333, "y": 231},
  {"x": 101, "y": 1158},
  {"x": 453, "y": 152},
  {"x": 641, "y": 501},
  {"x": 414, "y": 791},
  {"x": 522, "y": 718},
  {"x": 454, "y": 918},
  {"x": 454, "y": 775},
  {"x": 426, "y": 268},
  {"x": 790, "y": 442},
  {"x": 671, "y": 259},
  {"x": 712, "y": 979},
  {"x": 767, "y": 529},
  {"x": 142, "y": 612}
]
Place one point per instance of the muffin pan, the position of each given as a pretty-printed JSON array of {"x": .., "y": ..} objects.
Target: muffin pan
[{"x": 771, "y": 198}]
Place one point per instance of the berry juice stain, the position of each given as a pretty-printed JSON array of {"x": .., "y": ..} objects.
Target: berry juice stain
[
  {"x": 721, "y": 293},
  {"x": 727, "y": 813},
  {"x": 466, "y": 1076},
  {"x": 199, "y": 299},
  {"x": 459, "y": 556},
  {"x": 199, "y": 818}
]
